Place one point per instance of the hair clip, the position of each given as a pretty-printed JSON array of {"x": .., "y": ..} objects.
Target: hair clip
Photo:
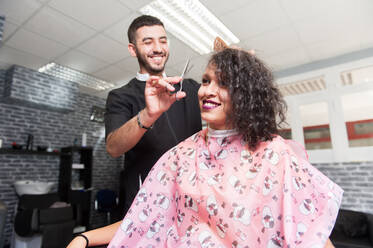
[{"x": 220, "y": 45}]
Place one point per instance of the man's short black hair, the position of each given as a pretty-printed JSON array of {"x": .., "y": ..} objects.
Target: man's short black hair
[{"x": 141, "y": 21}]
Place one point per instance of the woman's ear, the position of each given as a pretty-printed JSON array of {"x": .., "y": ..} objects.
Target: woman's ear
[{"x": 219, "y": 44}]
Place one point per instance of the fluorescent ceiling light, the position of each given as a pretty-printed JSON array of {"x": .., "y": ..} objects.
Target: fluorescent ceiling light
[
  {"x": 2, "y": 24},
  {"x": 75, "y": 76},
  {"x": 191, "y": 22}
]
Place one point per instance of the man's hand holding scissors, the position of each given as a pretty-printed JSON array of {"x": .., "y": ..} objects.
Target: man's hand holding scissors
[{"x": 161, "y": 93}]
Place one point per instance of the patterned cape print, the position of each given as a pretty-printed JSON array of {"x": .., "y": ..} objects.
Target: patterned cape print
[{"x": 214, "y": 192}]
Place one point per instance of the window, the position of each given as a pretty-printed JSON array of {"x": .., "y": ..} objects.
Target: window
[
  {"x": 315, "y": 126},
  {"x": 358, "y": 115}
]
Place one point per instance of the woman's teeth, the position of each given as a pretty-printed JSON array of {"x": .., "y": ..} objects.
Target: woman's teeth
[{"x": 210, "y": 105}]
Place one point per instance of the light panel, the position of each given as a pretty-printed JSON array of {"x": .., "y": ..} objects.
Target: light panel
[
  {"x": 2, "y": 24},
  {"x": 303, "y": 86},
  {"x": 191, "y": 22},
  {"x": 81, "y": 78}
]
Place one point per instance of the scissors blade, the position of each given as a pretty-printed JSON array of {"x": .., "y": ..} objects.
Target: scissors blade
[
  {"x": 182, "y": 75},
  {"x": 185, "y": 69}
]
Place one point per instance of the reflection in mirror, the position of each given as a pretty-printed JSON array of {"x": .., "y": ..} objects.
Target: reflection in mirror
[
  {"x": 97, "y": 114},
  {"x": 358, "y": 114},
  {"x": 316, "y": 129},
  {"x": 285, "y": 133}
]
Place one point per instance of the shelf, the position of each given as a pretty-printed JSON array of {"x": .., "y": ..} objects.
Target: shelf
[
  {"x": 70, "y": 149},
  {"x": 73, "y": 158},
  {"x": 26, "y": 152}
]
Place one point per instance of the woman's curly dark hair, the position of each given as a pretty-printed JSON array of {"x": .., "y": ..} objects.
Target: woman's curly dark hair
[{"x": 256, "y": 102}]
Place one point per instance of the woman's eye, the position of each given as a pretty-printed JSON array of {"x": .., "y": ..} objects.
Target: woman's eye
[{"x": 205, "y": 81}]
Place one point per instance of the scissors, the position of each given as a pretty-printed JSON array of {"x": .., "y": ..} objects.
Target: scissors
[{"x": 187, "y": 68}]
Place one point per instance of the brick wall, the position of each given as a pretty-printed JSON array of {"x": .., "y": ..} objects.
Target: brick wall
[
  {"x": 26, "y": 87},
  {"x": 2, "y": 82},
  {"x": 57, "y": 129}
]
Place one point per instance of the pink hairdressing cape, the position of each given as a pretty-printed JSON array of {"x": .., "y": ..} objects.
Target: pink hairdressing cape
[{"x": 212, "y": 191}]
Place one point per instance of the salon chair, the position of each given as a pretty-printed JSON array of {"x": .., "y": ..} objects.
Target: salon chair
[
  {"x": 353, "y": 229},
  {"x": 3, "y": 212},
  {"x": 46, "y": 217},
  {"x": 106, "y": 202}
]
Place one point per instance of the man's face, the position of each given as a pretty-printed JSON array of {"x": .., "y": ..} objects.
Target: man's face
[{"x": 151, "y": 49}]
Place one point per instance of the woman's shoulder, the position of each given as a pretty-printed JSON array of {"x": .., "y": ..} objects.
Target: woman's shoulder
[
  {"x": 279, "y": 144},
  {"x": 281, "y": 151},
  {"x": 196, "y": 137},
  {"x": 190, "y": 142}
]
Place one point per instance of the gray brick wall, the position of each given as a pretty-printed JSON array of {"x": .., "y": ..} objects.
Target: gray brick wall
[
  {"x": 2, "y": 24},
  {"x": 58, "y": 129},
  {"x": 2, "y": 82},
  {"x": 27, "y": 87}
]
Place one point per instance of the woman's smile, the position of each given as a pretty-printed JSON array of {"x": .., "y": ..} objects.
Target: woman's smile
[{"x": 209, "y": 104}]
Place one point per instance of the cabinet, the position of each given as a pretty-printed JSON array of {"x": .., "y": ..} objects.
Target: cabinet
[{"x": 75, "y": 181}]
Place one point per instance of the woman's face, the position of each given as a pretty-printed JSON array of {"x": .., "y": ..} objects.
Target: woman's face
[{"x": 214, "y": 101}]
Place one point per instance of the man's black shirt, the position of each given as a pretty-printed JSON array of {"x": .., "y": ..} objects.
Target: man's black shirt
[{"x": 179, "y": 122}]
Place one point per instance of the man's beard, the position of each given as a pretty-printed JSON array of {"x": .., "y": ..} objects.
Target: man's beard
[{"x": 151, "y": 70}]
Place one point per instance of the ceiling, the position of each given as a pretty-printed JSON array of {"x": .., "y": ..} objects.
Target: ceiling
[{"x": 90, "y": 35}]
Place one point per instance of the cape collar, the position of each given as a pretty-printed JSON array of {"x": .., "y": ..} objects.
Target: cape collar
[
  {"x": 221, "y": 133},
  {"x": 145, "y": 76}
]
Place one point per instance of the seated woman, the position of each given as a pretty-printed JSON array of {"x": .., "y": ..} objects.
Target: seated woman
[{"x": 236, "y": 183}]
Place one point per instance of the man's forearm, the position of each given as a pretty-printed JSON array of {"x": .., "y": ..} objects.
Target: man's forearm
[{"x": 128, "y": 135}]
